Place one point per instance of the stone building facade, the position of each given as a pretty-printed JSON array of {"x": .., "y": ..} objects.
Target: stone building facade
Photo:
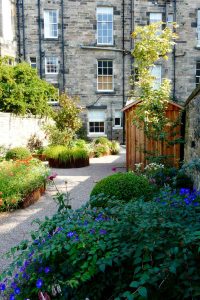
[
  {"x": 8, "y": 45},
  {"x": 83, "y": 48}
]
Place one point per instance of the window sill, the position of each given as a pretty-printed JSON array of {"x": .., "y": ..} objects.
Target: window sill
[
  {"x": 116, "y": 127},
  {"x": 96, "y": 134},
  {"x": 51, "y": 38},
  {"x": 51, "y": 73},
  {"x": 105, "y": 92}
]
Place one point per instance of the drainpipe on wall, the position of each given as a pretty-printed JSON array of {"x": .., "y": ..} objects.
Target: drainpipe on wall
[
  {"x": 18, "y": 30},
  {"x": 23, "y": 30},
  {"x": 174, "y": 57},
  {"x": 63, "y": 45},
  {"x": 40, "y": 37},
  {"x": 123, "y": 66}
]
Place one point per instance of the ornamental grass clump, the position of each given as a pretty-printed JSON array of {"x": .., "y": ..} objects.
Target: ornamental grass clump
[
  {"x": 124, "y": 186},
  {"x": 64, "y": 154},
  {"x": 140, "y": 250},
  {"x": 18, "y": 179}
]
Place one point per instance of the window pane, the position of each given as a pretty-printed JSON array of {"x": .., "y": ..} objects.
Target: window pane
[
  {"x": 117, "y": 121},
  {"x": 105, "y": 25}
]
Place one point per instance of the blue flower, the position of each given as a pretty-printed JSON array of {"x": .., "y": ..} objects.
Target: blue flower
[
  {"x": 47, "y": 270},
  {"x": 22, "y": 269},
  {"x": 39, "y": 283},
  {"x": 12, "y": 297},
  {"x": 102, "y": 231},
  {"x": 2, "y": 287},
  {"x": 92, "y": 231},
  {"x": 71, "y": 234},
  {"x": 31, "y": 254},
  {"x": 17, "y": 291},
  {"x": 16, "y": 275},
  {"x": 13, "y": 285}
]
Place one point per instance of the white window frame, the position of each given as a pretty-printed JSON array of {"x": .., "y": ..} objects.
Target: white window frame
[
  {"x": 57, "y": 67},
  {"x": 197, "y": 76},
  {"x": 33, "y": 64},
  {"x": 158, "y": 80},
  {"x": 157, "y": 17},
  {"x": 117, "y": 115},
  {"x": 198, "y": 28},
  {"x": 103, "y": 90},
  {"x": 99, "y": 118},
  {"x": 103, "y": 11},
  {"x": 47, "y": 24}
]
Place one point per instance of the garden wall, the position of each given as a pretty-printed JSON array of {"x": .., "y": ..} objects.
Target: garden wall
[
  {"x": 192, "y": 131},
  {"x": 15, "y": 131}
]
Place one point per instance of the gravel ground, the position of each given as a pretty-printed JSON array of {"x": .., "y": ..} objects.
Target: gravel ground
[{"x": 17, "y": 225}]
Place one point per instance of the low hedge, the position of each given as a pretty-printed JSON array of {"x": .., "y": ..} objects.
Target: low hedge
[
  {"x": 18, "y": 153},
  {"x": 124, "y": 186},
  {"x": 141, "y": 250}
]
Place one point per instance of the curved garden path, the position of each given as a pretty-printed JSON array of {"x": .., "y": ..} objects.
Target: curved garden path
[{"x": 17, "y": 225}]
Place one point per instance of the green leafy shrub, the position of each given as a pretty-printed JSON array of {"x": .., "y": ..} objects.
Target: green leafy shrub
[
  {"x": 124, "y": 186},
  {"x": 18, "y": 153},
  {"x": 114, "y": 147},
  {"x": 101, "y": 150},
  {"x": 102, "y": 140},
  {"x": 18, "y": 179},
  {"x": 103, "y": 200},
  {"x": 141, "y": 250},
  {"x": 183, "y": 180}
]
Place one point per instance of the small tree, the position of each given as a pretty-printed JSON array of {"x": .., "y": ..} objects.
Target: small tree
[
  {"x": 152, "y": 45},
  {"x": 67, "y": 121},
  {"x": 22, "y": 91}
]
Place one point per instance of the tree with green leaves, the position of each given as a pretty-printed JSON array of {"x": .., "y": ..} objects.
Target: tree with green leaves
[
  {"x": 153, "y": 45},
  {"x": 67, "y": 121},
  {"x": 22, "y": 92}
]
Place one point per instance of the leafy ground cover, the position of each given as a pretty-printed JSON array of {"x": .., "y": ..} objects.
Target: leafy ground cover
[{"x": 19, "y": 178}]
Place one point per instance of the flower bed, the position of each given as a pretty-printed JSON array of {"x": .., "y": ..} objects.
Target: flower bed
[{"x": 21, "y": 183}]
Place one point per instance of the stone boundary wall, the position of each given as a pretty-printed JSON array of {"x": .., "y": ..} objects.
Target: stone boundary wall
[{"x": 15, "y": 131}]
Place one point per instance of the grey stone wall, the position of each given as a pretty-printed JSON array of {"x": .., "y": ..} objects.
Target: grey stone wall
[{"x": 80, "y": 67}]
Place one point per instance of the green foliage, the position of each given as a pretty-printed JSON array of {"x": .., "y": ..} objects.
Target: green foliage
[
  {"x": 67, "y": 122},
  {"x": 103, "y": 146},
  {"x": 114, "y": 147},
  {"x": 56, "y": 136},
  {"x": 152, "y": 44},
  {"x": 124, "y": 186},
  {"x": 64, "y": 154},
  {"x": 103, "y": 200},
  {"x": 18, "y": 153},
  {"x": 102, "y": 140},
  {"x": 183, "y": 180},
  {"x": 22, "y": 91},
  {"x": 18, "y": 179},
  {"x": 141, "y": 250},
  {"x": 101, "y": 150}
]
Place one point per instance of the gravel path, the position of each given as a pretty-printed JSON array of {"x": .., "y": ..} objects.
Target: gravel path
[{"x": 17, "y": 225}]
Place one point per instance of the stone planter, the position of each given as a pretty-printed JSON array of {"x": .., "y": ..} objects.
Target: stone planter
[
  {"x": 33, "y": 197},
  {"x": 74, "y": 163}
]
